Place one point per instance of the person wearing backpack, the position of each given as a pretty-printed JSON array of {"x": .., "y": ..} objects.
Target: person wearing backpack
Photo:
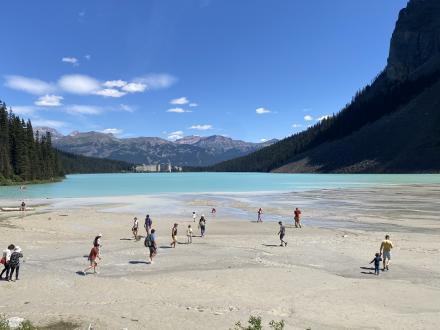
[
  {"x": 150, "y": 243},
  {"x": 14, "y": 263}
]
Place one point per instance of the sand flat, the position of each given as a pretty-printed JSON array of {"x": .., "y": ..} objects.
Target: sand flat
[{"x": 321, "y": 280}]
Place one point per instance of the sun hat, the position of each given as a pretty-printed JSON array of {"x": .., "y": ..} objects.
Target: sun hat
[
  {"x": 17, "y": 249},
  {"x": 99, "y": 235}
]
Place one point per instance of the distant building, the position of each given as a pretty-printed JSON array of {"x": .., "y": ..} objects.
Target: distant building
[{"x": 156, "y": 168}]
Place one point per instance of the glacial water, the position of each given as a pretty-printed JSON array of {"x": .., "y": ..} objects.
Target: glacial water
[{"x": 92, "y": 185}]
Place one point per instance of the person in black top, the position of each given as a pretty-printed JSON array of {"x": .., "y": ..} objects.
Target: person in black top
[
  {"x": 377, "y": 259},
  {"x": 14, "y": 263}
]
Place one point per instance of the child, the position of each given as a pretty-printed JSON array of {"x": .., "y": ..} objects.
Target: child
[
  {"x": 377, "y": 259},
  {"x": 94, "y": 254},
  {"x": 189, "y": 235}
]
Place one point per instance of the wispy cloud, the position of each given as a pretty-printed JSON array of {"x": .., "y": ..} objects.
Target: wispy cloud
[
  {"x": 127, "y": 108},
  {"x": 114, "y": 131},
  {"x": 83, "y": 109},
  {"x": 134, "y": 87},
  {"x": 29, "y": 85},
  {"x": 72, "y": 60},
  {"x": 296, "y": 125},
  {"x": 263, "y": 140},
  {"x": 261, "y": 111},
  {"x": 193, "y": 105},
  {"x": 79, "y": 84},
  {"x": 201, "y": 127},
  {"x": 157, "y": 80},
  {"x": 49, "y": 101},
  {"x": 178, "y": 110},
  {"x": 88, "y": 57},
  {"x": 173, "y": 136},
  {"x": 114, "y": 83},
  {"x": 48, "y": 123},
  {"x": 308, "y": 118},
  {"x": 109, "y": 92},
  {"x": 179, "y": 101},
  {"x": 23, "y": 110}
]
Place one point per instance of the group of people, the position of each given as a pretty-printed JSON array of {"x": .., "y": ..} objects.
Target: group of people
[
  {"x": 383, "y": 255},
  {"x": 11, "y": 262},
  {"x": 296, "y": 216}
]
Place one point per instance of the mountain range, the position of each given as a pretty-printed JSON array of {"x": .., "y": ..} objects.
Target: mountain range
[
  {"x": 390, "y": 126},
  {"x": 188, "y": 151}
]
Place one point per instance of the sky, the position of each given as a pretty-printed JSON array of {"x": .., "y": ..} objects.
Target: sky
[{"x": 247, "y": 69}]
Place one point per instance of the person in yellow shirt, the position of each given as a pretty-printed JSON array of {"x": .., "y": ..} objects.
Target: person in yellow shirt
[{"x": 385, "y": 251}]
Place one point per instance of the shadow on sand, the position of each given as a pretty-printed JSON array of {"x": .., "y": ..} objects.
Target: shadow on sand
[
  {"x": 165, "y": 247},
  {"x": 135, "y": 262},
  {"x": 370, "y": 272},
  {"x": 270, "y": 245}
]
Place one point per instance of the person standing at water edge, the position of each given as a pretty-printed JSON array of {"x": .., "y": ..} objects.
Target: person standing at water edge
[
  {"x": 174, "y": 235},
  {"x": 297, "y": 218},
  {"x": 202, "y": 225},
  {"x": 260, "y": 215},
  {"x": 189, "y": 235},
  {"x": 385, "y": 250},
  {"x": 150, "y": 242},
  {"x": 5, "y": 261},
  {"x": 135, "y": 227},
  {"x": 14, "y": 262},
  {"x": 148, "y": 223},
  {"x": 377, "y": 259},
  {"x": 282, "y": 233}
]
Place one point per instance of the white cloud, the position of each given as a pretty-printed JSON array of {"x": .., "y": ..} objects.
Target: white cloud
[
  {"x": 49, "y": 101},
  {"x": 179, "y": 101},
  {"x": 79, "y": 84},
  {"x": 114, "y": 131},
  {"x": 157, "y": 80},
  {"x": 178, "y": 110},
  {"x": 296, "y": 125},
  {"x": 23, "y": 110},
  {"x": 263, "y": 140},
  {"x": 71, "y": 60},
  {"x": 109, "y": 92},
  {"x": 48, "y": 123},
  {"x": 262, "y": 111},
  {"x": 114, "y": 83},
  {"x": 134, "y": 87},
  {"x": 127, "y": 108},
  {"x": 193, "y": 105},
  {"x": 308, "y": 118},
  {"x": 173, "y": 136},
  {"x": 84, "y": 109},
  {"x": 29, "y": 85},
  {"x": 201, "y": 127},
  {"x": 323, "y": 117}
]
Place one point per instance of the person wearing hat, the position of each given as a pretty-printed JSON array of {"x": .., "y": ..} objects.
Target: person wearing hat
[
  {"x": 135, "y": 227},
  {"x": 14, "y": 263},
  {"x": 174, "y": 235}
]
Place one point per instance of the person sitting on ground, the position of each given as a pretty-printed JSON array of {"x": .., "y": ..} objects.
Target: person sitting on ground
[
  {"x": 148, "y": 223},
  {"x": 135, "y": 227},
  {"x": 14, "y": 263},
  {"x": 297, "y": 218},
  {"x": 377, "y": 259},
  {"x": 150, "y": 242},
  {"x": 189, "y": 235},
  {"x": 385, "y": 251},
  {"x": 202, "y": 225},
  {"x": 174, "y": 235},
  {"x": 93, "y": 255},
  {"x": 282, "y": 233},
  {"x": 5, "y": 261}
]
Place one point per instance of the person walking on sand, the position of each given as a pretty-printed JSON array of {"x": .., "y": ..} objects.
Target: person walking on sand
[
  {"x": 14, "y": 263},
  {"x": 174, "y": 235},
  {"x": 5, "y": 261},
  {"x": 213, "y": 212},
  {"x": 202, "y": 225},
  {"x": 135, "y": 227},
  {"x": 194, "y": 216},
  {"x": 385, "y": 251},
  {"x": 148, "y": 223},
  {"x": 297, "y": 218},
  {"x": 282, "y": 233},
  {"x": 93, "y": 256},
  {"x": 150, "y": 242},
  {"x": 260, "y": 215},
  {"x": 377, "y": 259},
  {"x": 189, "y": 235}
]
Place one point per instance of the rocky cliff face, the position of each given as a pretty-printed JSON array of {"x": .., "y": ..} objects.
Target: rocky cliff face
[{"x": 415, "y": 44}]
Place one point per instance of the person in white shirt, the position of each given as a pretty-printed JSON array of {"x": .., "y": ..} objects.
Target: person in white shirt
[
  {"x": 135, "y": 227},
  {"x": 189, "y": 235},
  {"x": 194, "y": 216},
  {"x": 5, "y": 261}
]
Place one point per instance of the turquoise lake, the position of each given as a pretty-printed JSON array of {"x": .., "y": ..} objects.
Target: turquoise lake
[{"x": 92, "y": 185}]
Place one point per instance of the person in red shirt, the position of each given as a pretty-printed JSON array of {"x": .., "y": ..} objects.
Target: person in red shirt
[
  {"x": 297, "y": 218},
  {"x": 94, "y": 254}
]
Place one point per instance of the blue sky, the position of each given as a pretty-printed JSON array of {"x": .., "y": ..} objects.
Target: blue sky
[{"x": 248, "y": 69}]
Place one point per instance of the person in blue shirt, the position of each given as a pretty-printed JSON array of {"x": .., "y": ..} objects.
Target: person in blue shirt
[
  {"x": 377, "y": 259},
  {"x": 148, "y": 224},
  {"x": 150, "y": 242}
]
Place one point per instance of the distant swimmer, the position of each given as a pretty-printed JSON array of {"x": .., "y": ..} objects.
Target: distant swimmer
[
  {"x": 297, "y": 218},
  {"x": 385, "y": 250},
  {"x": 148, "y": 223},
  {"x": 174, "y": 235},
  {"x": 135, "y": 227},
  {"x": 260, "y": 215},
  {"x": 189, "y": 235},
  {"x": 94, "y": 255},
  {"x": 194, "y": 216},
  {"x": 150, "y": 243},
  {"x": 377, "y": 259},
  {"x": 282, "y": 233},
  {"x": 202, "y": 225}
]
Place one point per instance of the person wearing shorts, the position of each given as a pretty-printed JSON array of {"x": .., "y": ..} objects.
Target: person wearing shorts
[
  {"x": 148, "y": 223},
  {"x": 385, "y": 250},
  {"x": 174, "y": 235},
  {"x": 297, "y": 218},
  {"x": 150, "y": 242},
  {"x": 282, "y": 233},
  {"x": 93, "y": 256}
]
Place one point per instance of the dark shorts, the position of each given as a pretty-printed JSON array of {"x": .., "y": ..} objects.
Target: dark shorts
[
  {"x": 281, "y": 236},
  {"x": 152, "y": 249}
]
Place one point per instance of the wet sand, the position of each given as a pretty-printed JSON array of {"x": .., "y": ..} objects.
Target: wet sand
[{"x": 321, "y": 280}]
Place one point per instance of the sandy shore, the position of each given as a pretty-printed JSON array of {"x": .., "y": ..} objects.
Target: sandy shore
[{"x": 322, "y": 280}]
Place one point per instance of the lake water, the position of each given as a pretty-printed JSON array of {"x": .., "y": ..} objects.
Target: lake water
[{"x": 92, "y": 185}]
